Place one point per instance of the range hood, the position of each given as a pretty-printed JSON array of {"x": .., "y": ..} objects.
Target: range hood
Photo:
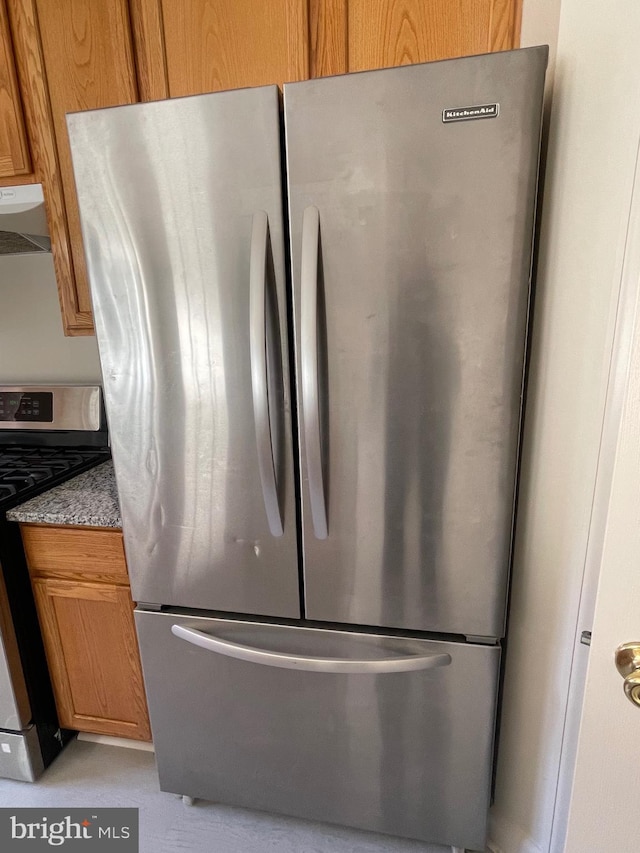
[{"x": 23, "y": 224}]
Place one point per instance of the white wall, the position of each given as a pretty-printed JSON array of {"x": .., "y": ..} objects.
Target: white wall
[
  {"x": 33, "y": 347},
  {"x": 540, "y": 20},
  {"x": 583, "y": 224}
]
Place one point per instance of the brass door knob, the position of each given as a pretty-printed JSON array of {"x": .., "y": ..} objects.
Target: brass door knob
[{"x": 628, "y": 665}]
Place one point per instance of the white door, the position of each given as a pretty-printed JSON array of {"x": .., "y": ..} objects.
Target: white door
[{"x": 606, "y": 791}]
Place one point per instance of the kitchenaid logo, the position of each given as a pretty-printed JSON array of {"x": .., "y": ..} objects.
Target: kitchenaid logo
[
  {"x": 469, "y": 113},
  {"x": 70, "y": 829}
]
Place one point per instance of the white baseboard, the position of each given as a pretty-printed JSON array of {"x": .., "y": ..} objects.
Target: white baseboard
[{"x": 108, "y": 740}]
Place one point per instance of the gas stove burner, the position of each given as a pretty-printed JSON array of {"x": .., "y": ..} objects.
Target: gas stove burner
[
  {"x": 26, "y": 471},
  {"x": 21, "y": 478}
]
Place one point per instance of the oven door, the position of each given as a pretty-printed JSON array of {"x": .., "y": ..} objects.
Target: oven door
[{"x": 15, "y": 711}]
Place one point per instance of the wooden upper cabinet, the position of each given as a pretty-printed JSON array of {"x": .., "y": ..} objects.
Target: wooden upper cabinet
[
  {"x": 360, "y": 35},
  {"x": 59, "y": 56},
  {"x": 208, "y": 45},
  {"x": 198, "y": 46},
  {"x": 14, "y": 149},
  {"x": 87, "y": 56}
]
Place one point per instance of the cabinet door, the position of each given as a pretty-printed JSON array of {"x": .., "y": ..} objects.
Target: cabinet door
[
  {"x": 361, "y": 35},
  {"x": 14, "y": 151},
  {"x": 384, "y": 33},
  {"x": 198, "y": 46},
  {"x": 93, "y": 657},
  {"x": 87, "y": 59}
]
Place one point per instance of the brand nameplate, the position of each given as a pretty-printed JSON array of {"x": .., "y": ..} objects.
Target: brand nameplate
[{"x": 470, "y": 113}]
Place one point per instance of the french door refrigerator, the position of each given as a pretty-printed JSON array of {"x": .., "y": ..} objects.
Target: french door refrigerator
[{"x": 312, "y": 321}]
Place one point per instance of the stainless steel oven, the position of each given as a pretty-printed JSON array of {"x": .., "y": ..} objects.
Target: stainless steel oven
[{"x": 48, "y": 434}]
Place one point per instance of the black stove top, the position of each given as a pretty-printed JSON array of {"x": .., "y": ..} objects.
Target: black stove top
[
  {"x": 48, "y": 434},
  {"x": 27, "y": 471}
]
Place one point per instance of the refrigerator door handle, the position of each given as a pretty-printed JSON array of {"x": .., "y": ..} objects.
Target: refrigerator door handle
[
  {"x": 306, "y": 663},
  {"x": 258, "y": 342},
  {"x": 309, "y": 365}
]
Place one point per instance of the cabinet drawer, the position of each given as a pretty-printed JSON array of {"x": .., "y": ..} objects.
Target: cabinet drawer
[{"x": 81, "y": 553}]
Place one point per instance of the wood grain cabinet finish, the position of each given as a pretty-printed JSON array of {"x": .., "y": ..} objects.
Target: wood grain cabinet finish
[
  {"x": 88, "y": 63},
  {"x": 14, "y": 149},
  {"x": 87, "y": 59},
  {"x": 84, "y": 54},
  {"x": 384, "y": 33},
  {"x": 77, "y": 553},
  {"x": 69, "y": 55},
  {"x": 362, "y": 35},
  {"x": 88, "y": 628},
  {"x": 228, "y": 44},
  {"x": 201, "y": 46}
]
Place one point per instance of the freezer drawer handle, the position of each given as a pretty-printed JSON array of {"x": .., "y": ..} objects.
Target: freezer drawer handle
[
  {"x": 309, "y": 363},
  {"x": 306, "y": 663},
  {"x": 258, "y": 342}
]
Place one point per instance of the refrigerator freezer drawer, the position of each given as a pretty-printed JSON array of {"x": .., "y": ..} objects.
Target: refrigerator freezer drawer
[{"x": 382, "y": 733}]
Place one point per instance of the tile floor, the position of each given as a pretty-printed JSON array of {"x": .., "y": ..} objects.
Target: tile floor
[{"x": 93, "y": 774}]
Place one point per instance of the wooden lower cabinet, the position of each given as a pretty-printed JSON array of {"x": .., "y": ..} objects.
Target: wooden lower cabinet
[{"x": 88, "y": 630}]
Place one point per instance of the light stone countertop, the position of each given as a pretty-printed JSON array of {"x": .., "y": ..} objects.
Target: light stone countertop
[{"x": 89, "y": 499}]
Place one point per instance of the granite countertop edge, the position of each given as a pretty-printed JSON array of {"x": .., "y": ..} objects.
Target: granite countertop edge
[{"x": 88, "y": 500}]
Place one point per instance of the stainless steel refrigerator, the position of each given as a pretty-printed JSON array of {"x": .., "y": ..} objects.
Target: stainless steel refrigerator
[{"x": 312, "y": 322}]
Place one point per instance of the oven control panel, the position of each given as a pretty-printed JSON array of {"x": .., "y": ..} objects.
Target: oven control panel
[
  {"x": 36, "y": 406},
  {"x": 51, "y": 408}
]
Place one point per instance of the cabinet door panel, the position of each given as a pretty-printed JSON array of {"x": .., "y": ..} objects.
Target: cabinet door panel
[
  {"x": 151, "y": 61},
  {"x": 93, "y": 657},
  {"x": 88, "y": 63},
  {"x": 230, "y": 44},
  {"x": 327, "y": 37},
  {"x": 14, "y": 151},
  {"x": 384, "y": 33},
  {"x": 30, "y": 68}
]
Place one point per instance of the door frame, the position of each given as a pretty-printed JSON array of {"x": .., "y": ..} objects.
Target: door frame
[{"x": 617, "y": 384}]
